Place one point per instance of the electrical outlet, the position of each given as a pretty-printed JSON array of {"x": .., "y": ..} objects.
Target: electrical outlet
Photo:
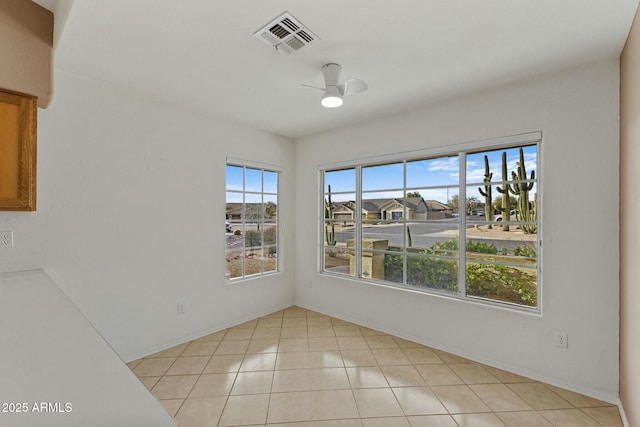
[
  {"x": 561, "y": 339},
  {"x": 6, "y": 239},
  {"x": 180, "y": 308}
]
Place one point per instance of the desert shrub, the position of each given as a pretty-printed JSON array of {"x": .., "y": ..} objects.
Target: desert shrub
[
  {"x": 502, "y": 283},
  {"x": 441, "y": 248},
  {"x": 481, "y": 248},
  {"x": 422, "y": 271},
  {"x": 491, "y": 281},
  {"x": 528, "y": 251},
  {"x": 271, "y": 237},
  {"x": 253, "y": 238}
]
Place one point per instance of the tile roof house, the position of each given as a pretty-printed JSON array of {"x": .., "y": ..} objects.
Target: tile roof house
[{"x": 393, "y": 208}]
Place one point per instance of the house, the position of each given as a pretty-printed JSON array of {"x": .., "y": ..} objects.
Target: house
[
  {"x": 393, "y": 209},
  {"x": 144, "y": 118},
  {"x": 236, "y": 212}
]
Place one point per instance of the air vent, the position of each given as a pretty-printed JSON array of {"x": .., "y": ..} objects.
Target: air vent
[{"x": 285, "y": 33}]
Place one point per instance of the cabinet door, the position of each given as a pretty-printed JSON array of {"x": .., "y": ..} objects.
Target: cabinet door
[{"x": 18, "y": 124}]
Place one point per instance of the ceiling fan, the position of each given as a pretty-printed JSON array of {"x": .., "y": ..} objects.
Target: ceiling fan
[{"x": 334, "y": 91}]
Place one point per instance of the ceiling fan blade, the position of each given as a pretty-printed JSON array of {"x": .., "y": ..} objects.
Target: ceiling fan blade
[
  {"x": 312, "y": 87},
  {"x": 352, "y": 86}
]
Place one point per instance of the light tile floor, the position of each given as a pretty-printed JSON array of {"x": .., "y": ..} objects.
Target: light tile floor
[{"x": 298, "y": 368}]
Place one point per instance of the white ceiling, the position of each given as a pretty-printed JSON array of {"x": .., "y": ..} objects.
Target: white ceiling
[{"x": 201, "y": 54}]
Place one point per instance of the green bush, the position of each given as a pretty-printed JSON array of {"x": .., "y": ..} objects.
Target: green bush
[
  {"x": 441, "y": 248},
  {"x": 528, "y": 251},
  {"x": 481, "y": 248},
  {"x": 502, "y": 283},
  {"x": 423, "y": 271},
  {"x": 491, "y": 281}
]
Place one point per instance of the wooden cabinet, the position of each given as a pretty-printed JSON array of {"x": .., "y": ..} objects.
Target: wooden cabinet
[{"x": 18, "y": 133}]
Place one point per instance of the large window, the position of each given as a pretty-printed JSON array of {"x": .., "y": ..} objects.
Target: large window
[
  {"x": 251, "y": 229},
  {"x": 462, "y": 224}
]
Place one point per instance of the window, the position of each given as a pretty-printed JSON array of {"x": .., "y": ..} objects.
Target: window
[
  {"x": 251, "y": 228},
  {"x": 462, "y": 224}
]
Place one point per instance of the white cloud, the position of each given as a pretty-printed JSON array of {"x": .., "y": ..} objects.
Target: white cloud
[{"x": 449, "y": 164}]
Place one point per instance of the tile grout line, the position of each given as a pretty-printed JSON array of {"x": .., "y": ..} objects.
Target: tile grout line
[{"x": 378, "y": 344}]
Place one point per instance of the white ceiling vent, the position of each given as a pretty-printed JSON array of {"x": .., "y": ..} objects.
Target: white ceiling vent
[{"x": 286, "y": 34}]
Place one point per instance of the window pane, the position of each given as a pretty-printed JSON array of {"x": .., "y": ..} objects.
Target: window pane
[
  {"x": 433, "y": 172},
  {"x": 253, "y": 208},
  {"x": 233, "y": 197},
  {"x": 253, "y": 262},
  {"x": 270, "y": 258},
  {"x": 394, "y": 266},
  {"x": 521, "y": 207},
  {"x": 340, "y": 180},
  {"x": 252, "y": 237},
  {"x": 384, "y": 206},
  {"x": 270, "y": 182},
  {"x": 234, "y": 264},
  {"x": 234, "y": 178},
  {"x": 270, "y": 207},
  {"x": 424, "y": 271},
  {"x": 476, "y": 164},
  {"x": 430, "y": 203},
  {"x": 270, "y": 235},
  {"x": 433, "y": 238},
  {"x": 383, "y": 177},
  {"x": 339, "y": 233},
  {"x": 253, "y": 180},
  {"x": 233, "y": 241},
  {"x": 373, "y": 265},
  {"x": 234, "y": 208},
  {"x": 515, "y": 285},
  {"x": 338, "y": 259}
]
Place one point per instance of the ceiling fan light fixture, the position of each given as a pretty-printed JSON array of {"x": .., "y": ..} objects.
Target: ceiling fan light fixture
[{"x": 331, "y": 98}]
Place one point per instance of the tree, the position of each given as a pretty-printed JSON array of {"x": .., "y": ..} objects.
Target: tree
[
  {"x": 270, "y": 210},
  {"x": 414, "y": 194},
  {"x": 454, "y": 202},
  {"x": 471, "y": 204}
]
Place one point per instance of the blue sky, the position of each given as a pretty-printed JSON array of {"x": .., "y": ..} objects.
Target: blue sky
[{"x": 423, "y": 175}]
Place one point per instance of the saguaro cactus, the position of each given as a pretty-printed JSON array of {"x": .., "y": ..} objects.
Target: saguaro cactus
[
  {"x": 506, "y": 200},
  {"x": 526, "y": 209},
  {"x": 329, "y": 228},
  {"x": 488, "y": 209}
]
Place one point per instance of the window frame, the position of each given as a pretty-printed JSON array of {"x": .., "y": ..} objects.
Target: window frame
[
  {"x": 263, "y": 221},
  {"x": 461, "y": 151}
]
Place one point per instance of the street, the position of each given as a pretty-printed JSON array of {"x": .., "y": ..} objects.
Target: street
[{"x": 423, "y": 235}]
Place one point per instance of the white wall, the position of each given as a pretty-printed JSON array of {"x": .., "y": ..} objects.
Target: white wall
[
  {"x": 578, "y": 114},
  {"x": 130, "y": 216}
]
